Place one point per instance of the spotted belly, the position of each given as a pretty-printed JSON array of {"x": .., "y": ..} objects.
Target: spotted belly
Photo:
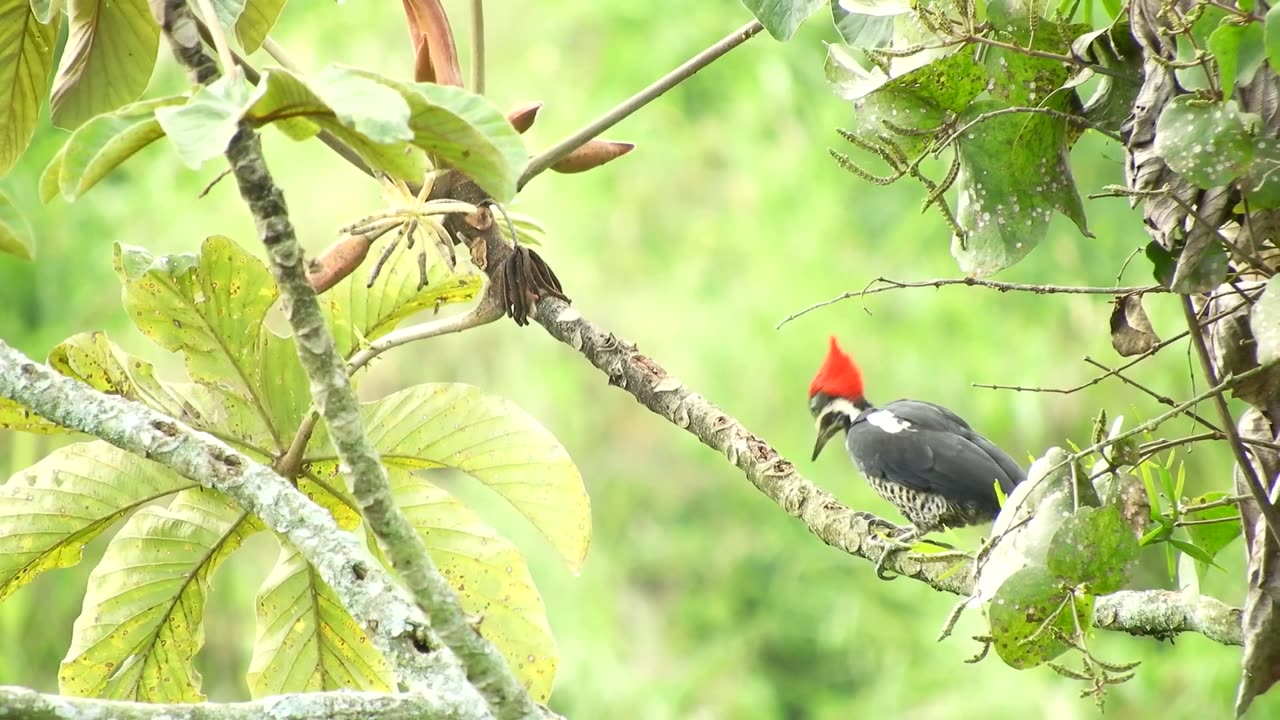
[{"x": 928, "y": 512}]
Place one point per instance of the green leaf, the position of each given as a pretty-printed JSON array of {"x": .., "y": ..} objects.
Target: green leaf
[
  {"x": 1199, "y": 553},
  {"x": 490, "y": 577},
  {"x": 51, "y": 510},
  {"x": 451, "y": 425},
  {"x": 1026, "y": 610},
  {"x": 15, "y": 233},
  {"x": 256, "y": 21},
  {"x": 1224, "y": 43},
  {"x": 1093, "y": 549},
  {"x": 111, "y": 49},
  {"x": 1210, "y": 144},
  {"x": 362, "y": 104},
  {"x": 1011, "y": 16},
  {"x": 202, "y": 128},
  {"x": 1265, "y": 322},
  {"x": 143, "y": 617},
  {"x": 1213, "y": 537},
  {"x": 228, "y": 11},
  {"x": 306, "y": 641},
  {"x": 26, "y": 59},
  {"x": 20, "y": 418},
  {"x": 355, "y": 310},
  {"x": 46, "y": 9},
  {"x": 211, "y": 308},
  {"x": 1271, "y": 37},
  {"x": 103, "y": 143},
  {"x": 864, "y": 30},
  {"x": 782, "y": 17}
]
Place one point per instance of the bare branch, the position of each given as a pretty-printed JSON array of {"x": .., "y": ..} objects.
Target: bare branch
[
  {"x": 824, "y": 515},
  {"x": 1162, "y": 399},
  {"x": 890, "y": 284},
  {"x": 477, "y": 47},
  {"x": 592, "y": 129}
]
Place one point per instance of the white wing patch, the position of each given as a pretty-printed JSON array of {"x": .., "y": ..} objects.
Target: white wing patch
[{"x": 887, "y": 421}]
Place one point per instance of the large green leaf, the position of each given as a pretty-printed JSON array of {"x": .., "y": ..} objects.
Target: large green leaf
[
  {"x": 201, "y": 128},
  {"x": 1093, "y": 549},
  {"x": 306, "y": 640},
  {"x": 51, "y": 510},
  {"x": 782, "y": 17},
  {"x": 1210, "y": 144},
  {"x": 490, "y": 577},
  {"x": 451, "y": 425},
  {"x": 26, "y": 58},
  {"x": 143, "y": 617},
  {"x": 211, "y": 308},
  {"x": 862, "y": 30},
  {"x": 1029, "y": 612},
  {"x": 355, "y": 310},
  {"x": 15, "y": 233},
  {"x": 111, "y": 49},
  {"x": 256, "y": 21},
  {"x": 100, "y": 145}
]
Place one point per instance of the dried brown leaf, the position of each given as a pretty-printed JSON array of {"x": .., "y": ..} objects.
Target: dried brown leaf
[
  {"x": 1131, "y": 331},
  {"x": 435, "y": 54}
]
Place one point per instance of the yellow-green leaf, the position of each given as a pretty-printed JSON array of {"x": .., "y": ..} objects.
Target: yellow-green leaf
[
  {"x": 100, "y": 145},
  {"x": 15, "y": 233},
  {"x": 356, "y": 311},
  {"x": 256, "y": 21},
  {"x": 306, "y": 640},
  {"x": 452, "y": 425},
  {"x": 51, "y": 510},
  {"x": 143, "y": 617},
  {"x": 490, "y": 577},
  {"x": 18, "y": 417},
  {"x": 26, "y": 58},
  {"x": 111, "y": 49}
]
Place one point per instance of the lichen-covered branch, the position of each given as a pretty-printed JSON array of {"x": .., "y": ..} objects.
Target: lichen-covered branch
[
  {"x": 22, "y": 702},
  {"x": 825, "y": 516},
  {"x": 337, "y": 402},
  {"x": 394, "y": 623}
]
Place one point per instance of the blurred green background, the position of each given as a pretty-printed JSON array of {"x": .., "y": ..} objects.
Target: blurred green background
[{"x": 700, "y": 598}]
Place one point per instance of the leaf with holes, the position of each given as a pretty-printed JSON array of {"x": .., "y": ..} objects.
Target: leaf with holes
[
  {"x": 1028, "y": 611},
  {"x": 143, "y": 617},
  {"x": 1093, "y": 549},
  {"x": 306, "y": 641},
  {"x": 782, "y": 17},
  {"x": 15, "y": 233},
  {"x": 100, "y": 146},
  {"x": 456, "y": 426},
  {"x": 357, "y": 311},
  {"x": 110, "y": 52},
  {"x": 26, "y": 59},
  {"x": 490, "y": 577},
  {"x": 51, "y": 510}
]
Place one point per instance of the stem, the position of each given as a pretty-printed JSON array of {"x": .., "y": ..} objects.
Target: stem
[
  {"x": 477, "y": 47},
  {"x": 560, "y": 150},
  {"x": 1269, "y": 512},
  {"x": 1100, "y": 69},
  {"x": 278, "y": 53},
  {"x": 219, "y": 37},
  {"x": 1073, "y": 119}
]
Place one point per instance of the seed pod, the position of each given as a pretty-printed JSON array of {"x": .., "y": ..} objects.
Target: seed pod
[
  {"x": 522, "y": 116},
  {"x": 592, "y": 155},
  {"x": 337, "y": 261}
]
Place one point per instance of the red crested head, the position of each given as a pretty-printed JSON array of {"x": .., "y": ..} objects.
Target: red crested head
[{"x": 838, "y": 376}]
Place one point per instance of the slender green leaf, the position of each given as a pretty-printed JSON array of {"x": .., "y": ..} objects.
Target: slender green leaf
[
  {"x": 51, "y": 510},
  {"x": 256, "y": 21},
  {"x": 201, "y": 128},
  {"x": 306, "y": 641},
  {"x": 15, "y": 233},
  {"x": 1195, "y": 551},
  {"x": 111, "y": 49},
  {"x": 451, "y": 425},
  {"x": 102, "y": 144},
  {"x": 1093, "y": 549},
  {"x": 143, "y": 617},
  {"x": 490, "y": 576},
  {"x": 26, "y": 59},
  {"x": 783, "y": 17}
]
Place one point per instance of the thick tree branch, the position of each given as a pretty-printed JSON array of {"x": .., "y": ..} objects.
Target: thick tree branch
[
  {"x": 824, "y": 515},
  {"x": 31, "y": 705},
  {"x": 395, "y": 624},
  {"x": 337, "y": 402}
]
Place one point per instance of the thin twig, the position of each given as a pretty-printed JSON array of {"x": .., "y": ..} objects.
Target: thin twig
[
  {"x": 560, "y": 150},
  {"x": 890, "y": 284},
  {"x": 278, "y": 53},
  {"x": 1220, "y": 502},
  {"x": 1260, "y": 493},
  {"x": 1100, "y": 69},
  {"x": 1162, "y": 399},
  {"x": 477, "y": 47},
  {"x": 1073, "y": 119}
]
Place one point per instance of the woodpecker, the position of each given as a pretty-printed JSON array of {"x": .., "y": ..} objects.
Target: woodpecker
[{"x": 921, "y": 457}]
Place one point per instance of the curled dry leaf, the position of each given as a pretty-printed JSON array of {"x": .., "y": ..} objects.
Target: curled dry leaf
[
  {"x": 435, "y": 56},
  {"x": 337, "y": 261},
  {"x": 592, "y": 155},
  {"x": 1131, "y": 331},
  {"x": 522, "y": 116}
]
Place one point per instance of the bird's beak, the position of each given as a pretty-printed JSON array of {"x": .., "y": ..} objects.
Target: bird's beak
[{"x": 825, "y": 434}]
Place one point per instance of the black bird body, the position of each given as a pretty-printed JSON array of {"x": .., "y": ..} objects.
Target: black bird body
[{"x": 921, "y": 457}]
